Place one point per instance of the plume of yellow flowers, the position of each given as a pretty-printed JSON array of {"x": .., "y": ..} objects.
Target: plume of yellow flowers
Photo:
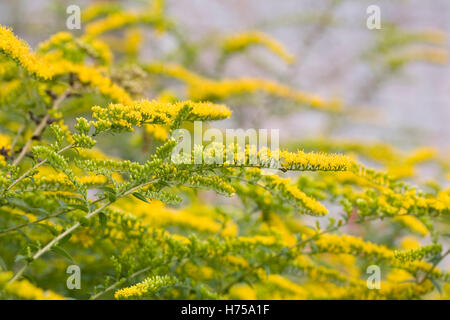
[
  {"x": 124, "y": 117},
  {"x": 243, "y": 40},
  {"x": 18, "y": 50},
  {"x": 147, "y": 287}
]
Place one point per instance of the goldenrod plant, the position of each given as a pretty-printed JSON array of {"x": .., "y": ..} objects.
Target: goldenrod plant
[{"x": 89, "y": 177}]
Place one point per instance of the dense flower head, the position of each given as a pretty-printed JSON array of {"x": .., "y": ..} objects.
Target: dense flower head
[
  {"x": 124, "y": 117},
  {"x": 311, "y": 206},
  {"x": 13, "y": 47},
  {"x": 315, "y": 161},
  {"x": 147, "y": 287}
]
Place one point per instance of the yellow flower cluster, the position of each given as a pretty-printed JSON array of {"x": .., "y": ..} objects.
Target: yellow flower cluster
[
  {"x": 92, "y": 77},
  {"x": 237, "y": 261},
  {"x": 412, "y": 223},
  {"x": 352, "y": 245},
  {"x": 124, "y": 117},
  {"x": 241, "y": 41},
  {"x": 338, "y": 244},
  {"x": 260, "y": 240},
  {"x": 422, "y": 53},
  {"x": 325, "y": 274},
  {"x": 227, "y": 87},
  {"x": 409, "y": 242},
  {"x": 176, "y": 71},
  {"x": 388, "y": 290},
  {"x": 278, "y": 226},
  {"x": 312, "y": 161},
  {"x": 294, "y": 290},
  {"x": 123, "y": 19},
  {"x": 201, "y": 88},
  {"x": 23, "y": 289},
  {"x": 55, "y": 40},
  {"x": 21, "y": 52},
  {"x": 97, "y": 9},
  {"x": 111, "y": 22},
  {"x": 242, "y": 292},
  {"x": 132, "y": 42},
  {"x": 157, "y": 131},
  {"x": 429, "y": 251},
  {"x": 156, "y": 214},
  {"x": 60, "y": 180},
  {"x": 147, "y": 287},
  {"x": 96, "y": 48},
  {"x": 408, "y": 290},
  {"x": 284, "y": 186},
  {"x": 409, "y": 201},
  {"x": 197, "y": 272},
  {"x": 52, "y": 65},
  {"x": 5, "y": 142},
  {"x": 378, "y": 151},
  {"x": 421, "y": 155}
]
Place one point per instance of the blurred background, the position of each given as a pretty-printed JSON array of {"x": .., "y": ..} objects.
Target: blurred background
[{"x": 337, "y": 56}]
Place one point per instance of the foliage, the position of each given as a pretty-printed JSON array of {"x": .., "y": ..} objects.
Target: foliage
[{"x": 87, "y": 179}]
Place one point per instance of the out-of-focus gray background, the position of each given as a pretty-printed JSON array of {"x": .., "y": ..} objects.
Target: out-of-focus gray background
[{"x": 412, "y": 108}]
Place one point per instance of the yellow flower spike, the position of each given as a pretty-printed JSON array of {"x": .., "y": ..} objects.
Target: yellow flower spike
[
  {"x": 241, "y": 41},
  {"x": 286, "y": 285},
  {"x": 111, "y": 22},
  {"x": 421, "y": 155},
  {"x": 315, "y": 161},
  {"x": 98, "y": 9},
  {"x": 242, "y": 292},
  {"x": 52, "y": 65},
  {"x": 157, "y": 131},
  {"x": 145, "y": 112},
  {"x": 92, "y": 77},
  {"x": 16, "y": 49},
  {"x": 413, "y": 224},
  {"x": 147, "y": 287},
  {"x": 409, "y": 243}
]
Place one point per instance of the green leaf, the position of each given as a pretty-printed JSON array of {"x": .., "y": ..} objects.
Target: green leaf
[
  {"x": 107, "y": 189},
  {"x": 437, "y": 285},
  {"x": 314, "y": 247},
  {"x": 140, "y": 197},
  {"x": 102, "y": 219},
  {"x": 49, "y": 228},
  {"x": 80, "y": 207},
  {"x": 24, "y": 235},
  {"x": 21, "y": 204},
  {"x": 65, "y": 239},
  {"x": 84, "y": 221},
  {"x": 19, "y": 257},
  {"x": 3, "y": 264},
  {"x": 63, "y": 253}
]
